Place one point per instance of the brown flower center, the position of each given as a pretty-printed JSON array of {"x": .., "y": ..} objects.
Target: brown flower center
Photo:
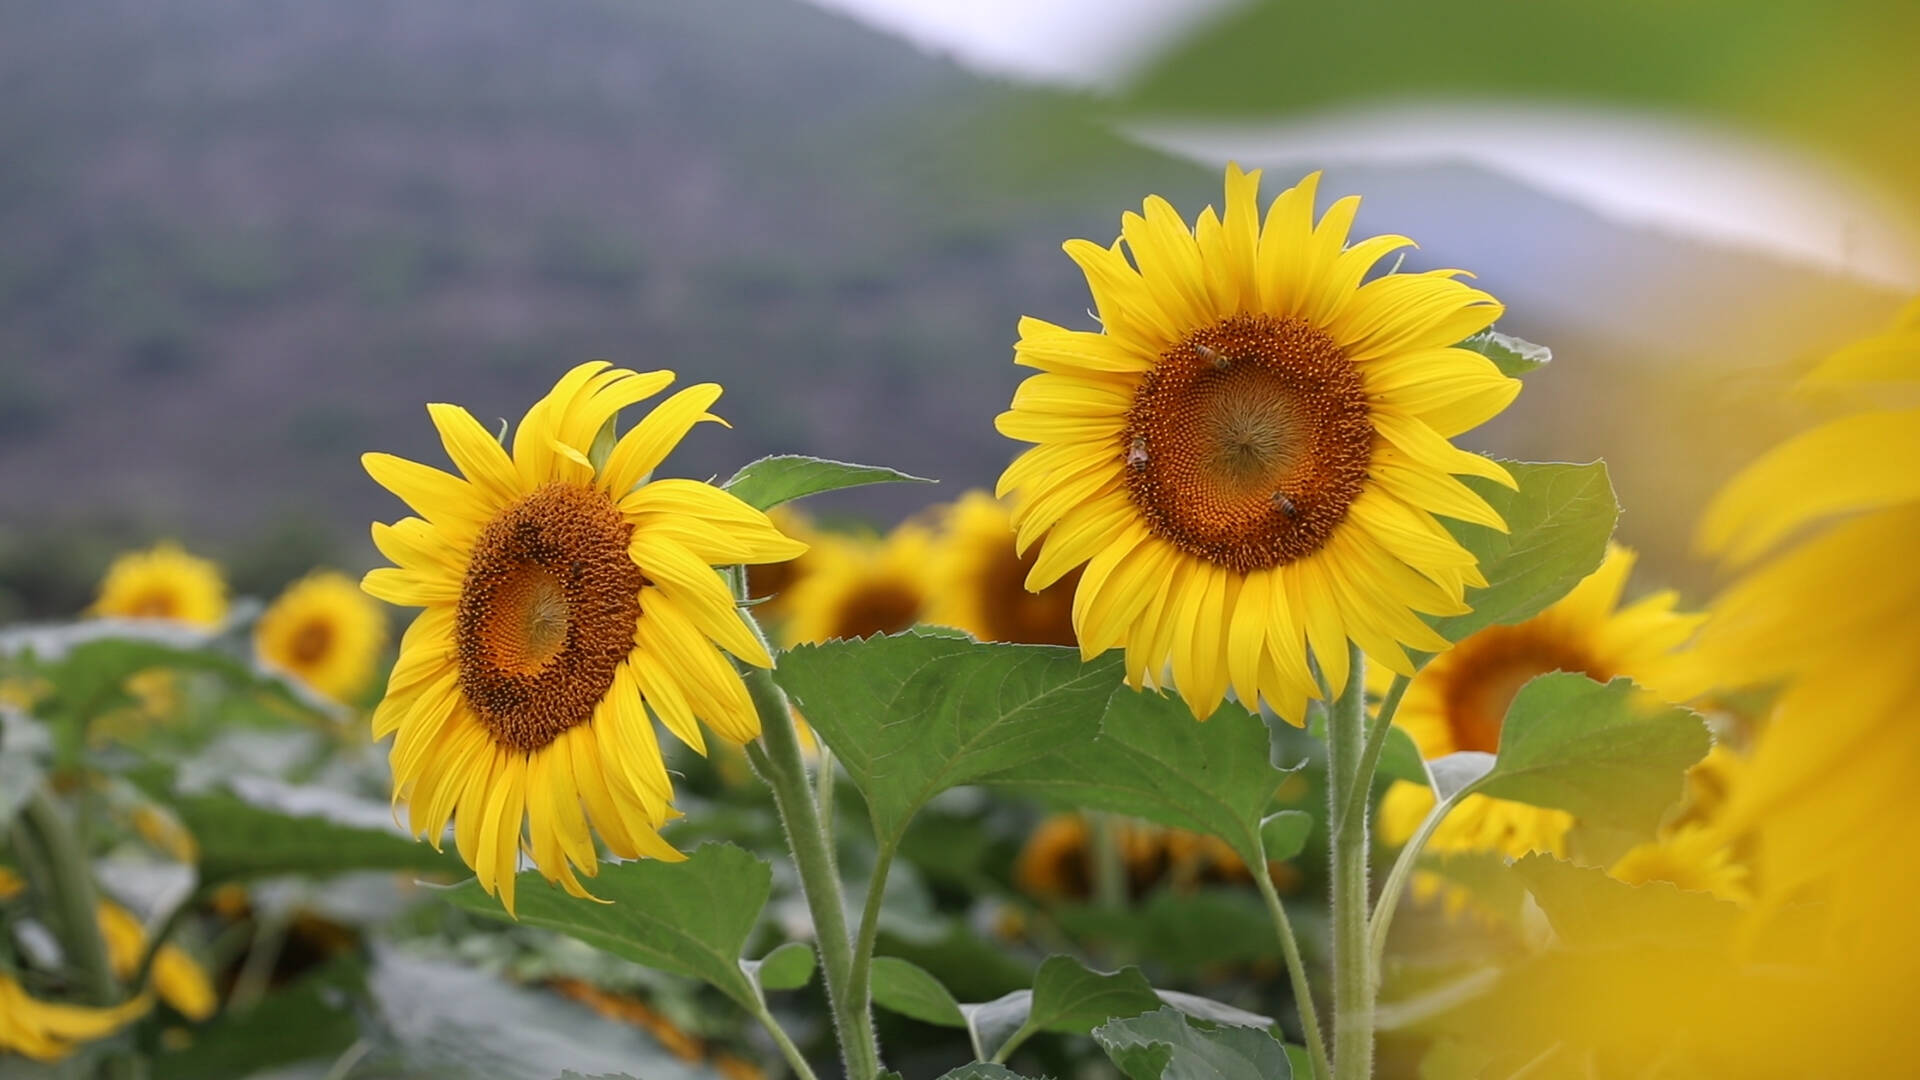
[
  {"x": 154, "y": 604},
  {"x": 546, "y": 614},
  {"x": 311, "y": 643},
  {"x": 1247, "y": 442},
  {"x": 1009, "y": 612},
  {"x": 1488, "y": 671},
  {"x": 884, "y": 607}
]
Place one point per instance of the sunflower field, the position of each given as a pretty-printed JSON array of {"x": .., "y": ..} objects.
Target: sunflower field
[{"x": 1251, "y": 719}]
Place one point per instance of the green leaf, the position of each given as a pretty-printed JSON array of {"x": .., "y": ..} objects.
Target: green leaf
[
  {"x": 767, "y": 483},
  {"x": 1284, "y": 833},
  {"x": 982, "y": 1070},
  {"x": 909, "y": 716},
  {"x": 1589, "y": 908},
  {"x": 1612, "y": 754},
  {"x": 1066, "y": 998},
  {"x": 788, "y": 967},
  {"x": 908, "y": 989},
  {"x": 1558, "y": 523},
  {"x": 1400, "y": 759},
  {"x": 1180, "y": 934},
  {"x": 1836, "y": 80},
  {"x": 1152, "y": 760},
  {"x": 1166, "y": 1045},
  {"x": 1513, "y": 356},
  {"x": 311, "y": 1018},
  {"x": 688, "y": 918},
  {"x": 239, "y": 840}
]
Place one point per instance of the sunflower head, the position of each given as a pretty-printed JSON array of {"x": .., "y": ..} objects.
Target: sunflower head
[
  {"x": 567, "y": 599},
  {"x": 980, "y": 580},
  {"x": 1248, "y": 462},
  {"x": 324, "y": 631},
  {"x": 163, "y": 582},
  {"x": 855, "y": 587}
]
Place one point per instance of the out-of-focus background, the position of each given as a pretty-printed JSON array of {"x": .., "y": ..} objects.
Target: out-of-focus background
[{"x": 243, "y": 242}]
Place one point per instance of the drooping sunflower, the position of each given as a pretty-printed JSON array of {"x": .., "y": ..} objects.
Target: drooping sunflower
[
  {"x": 856, "y": 587},
  {"x": 1459, "y": 700},
  {"x": 980, "y": 580},
  {"x": 179, "y": 980},
  {"x": 1823, "y": 529},
  {"x": 324, "y": 631},
  {"x": 565, "y": 597},
  {"x": 1250, "y": 459},
  {"x": 49, "y": 1031},
  {"x": 163, "y": 582}
]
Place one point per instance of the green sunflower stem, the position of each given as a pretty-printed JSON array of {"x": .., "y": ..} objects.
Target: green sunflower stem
[
  {"x": 777, "y": 758},
  {"x": 1349, "y": 777},
  {"x": 69, "y": 886},
  {"x": 1297, "y": 974}
]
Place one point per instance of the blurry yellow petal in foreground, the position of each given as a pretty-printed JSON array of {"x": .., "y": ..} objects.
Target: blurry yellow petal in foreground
[
  {"x": 49, "y": 1031},
  {"x": 325, "y": 632},
  {"x": 563, "y": 597},
  {"x": 163, "y": 582},
  {"x": 1245, "y": 462}
]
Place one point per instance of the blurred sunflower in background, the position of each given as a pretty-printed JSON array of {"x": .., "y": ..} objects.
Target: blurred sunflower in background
[
  {"x": 1057, "y": 861},
  {"x": 1250, "y": 459},
  {"x": 771, "y": 584},
  {"x": 1459, "y": 701},
  {"x": 564, "y": 597},
  {"x": 980, "y": 579},
  {"x": 324, "y": 631},
  {"x": 163, "y": 582},
  {"x": 856, "y": 587},
  {"x": 176, "y": 977}
]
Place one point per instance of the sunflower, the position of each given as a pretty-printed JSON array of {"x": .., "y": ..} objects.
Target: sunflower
[
  {"x": 1691, "y": 858},
  {"x": 1249, "y": 458},
  {"x": 772, "y": 583},
  {"x": 163, "y": 582},
  {"x": 980, "y": 580},
  {"x": 179, "y": 981},
  {"x": 1824, "y": 528},
  {"x": 48, "y": 1031},
  {"x": 1460, "y": 699},
  {"x": 856, "y": 587},
  {"x": 566, "y": 595},
  {"x": 324, "y": 631}
]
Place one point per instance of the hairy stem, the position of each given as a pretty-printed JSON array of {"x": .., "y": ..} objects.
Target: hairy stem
[
  {"x": 1297, "y": 974},
  {"x": 1353, "y": 982}
]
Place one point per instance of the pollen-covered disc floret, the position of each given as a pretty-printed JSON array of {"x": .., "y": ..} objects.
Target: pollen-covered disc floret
[
  {"x": 1248, "y": 463},
  {"x": 568, "y": 603}
]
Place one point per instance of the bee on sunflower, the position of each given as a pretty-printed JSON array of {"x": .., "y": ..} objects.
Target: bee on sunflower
[{"x": 1249, "y": 461}]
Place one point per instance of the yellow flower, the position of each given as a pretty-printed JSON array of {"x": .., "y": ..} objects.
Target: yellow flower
[
  {"x": 324, "y": 631},
  {"x": 11, "y": 883},
  {"x": 178, "y": 979},
  {"x": 772, "y": 583},
  {"x": 564, "y": 597},
  {"x": 163, "y": 582},
  {"x": 49, "y": 1031},
  {"x": 980, "y": 580},
  {"x": 1460, "y": 699},
  {"x": 1692, "y": 858},
  {"x": 1249, "y": 459},
  {"x": 1831, "y": 616},
  {"x": 858, "y": 587}
]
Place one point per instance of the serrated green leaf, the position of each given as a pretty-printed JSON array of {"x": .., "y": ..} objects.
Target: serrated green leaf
[
  {"x": 240, "y": 841},
  {"x": 788, "y": 967},
  {"x": 908, "y": 989},
  {"x": 767, "y": 483},
  {"x": 1152, "y": 760},
  {"x": 1166, "y": 1045},
  {"x": 982, "y": 1070},
  {"x": 1284, "y": 833},
  {"x": 1513, "y": 356},
  {"x": 1588, "y": 908},
  {"x": 909, "y": 717},
  {"x": 1612, "y": 754},
  {"x": 1066, "y": 998},
  {"x": 1558, "y": 524},
  {"x": 689, "y": 918}
]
